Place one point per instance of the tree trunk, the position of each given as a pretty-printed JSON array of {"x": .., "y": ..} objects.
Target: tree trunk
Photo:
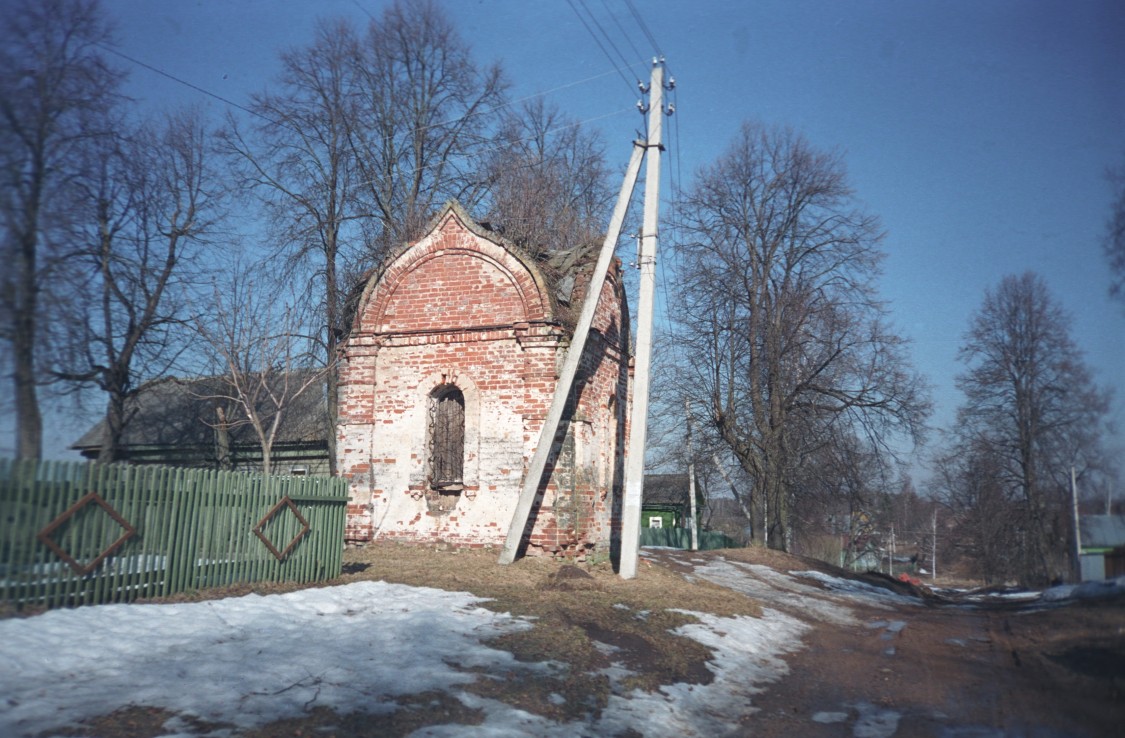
[
  {"x": 29, "y": 420},
  {"x": 222, "y": 439},
  {"x": 110, "y": 450},
  {"x": 331, "y": 378}
]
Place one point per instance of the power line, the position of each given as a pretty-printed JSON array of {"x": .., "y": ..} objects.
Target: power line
[
  {"x": 674, "y": 237},
  {"x": 601, "y": 46},
  {"x": 621, "y": 29},
  {"x": 195, "y": 87},
  {"x": 268, "y": 119},
  {"x": 557, "y": 89},
  {"x": 615, "y": 69},
  {"x": 605, "y": 34},
  {"x": 644, "y": 27},
  {"x": 364, "y": 10},
  {"x": 451, "y": 121},
  {"x": 556, "y": 129},
  {"x": 511, "y": 103},
  {"x": 677, "y": 169}
]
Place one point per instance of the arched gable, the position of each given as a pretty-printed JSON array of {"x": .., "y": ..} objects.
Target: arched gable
[{"x": 457, "y": 276}]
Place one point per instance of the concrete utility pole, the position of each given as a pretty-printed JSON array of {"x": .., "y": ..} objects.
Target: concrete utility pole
[
  {"x": 891, "y": 554},
  {"x": 766, "y": 518},
  {"x": 933, "y": 555},
  {"x": 570, "y": 365},
  {"x": 691, "y": 480},
  {"x": 1077, "y": 526},
  {"x": 638, "y": 417}
]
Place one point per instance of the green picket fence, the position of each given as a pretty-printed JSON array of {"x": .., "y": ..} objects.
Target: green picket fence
[
  {"x": 74, "y": 533},
  {"x": 681, "y": 538}
]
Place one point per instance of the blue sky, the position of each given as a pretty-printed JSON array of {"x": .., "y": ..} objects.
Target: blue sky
[{"x": 979, "y": 132}]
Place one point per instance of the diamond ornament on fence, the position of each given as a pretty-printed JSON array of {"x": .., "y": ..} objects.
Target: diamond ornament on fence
[
  {"x": 259, "y": 529},
  {"x": 94, "y": 498}
]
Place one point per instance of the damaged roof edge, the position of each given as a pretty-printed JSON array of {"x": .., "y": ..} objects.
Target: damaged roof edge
[{"x": 558, "y": 274}]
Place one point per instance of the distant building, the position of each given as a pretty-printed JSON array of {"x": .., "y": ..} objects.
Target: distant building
[
  {"x": 1103, "y": 546},
  {"x": 445, "y": 380},
  {"x": 177, "y": 422},
  {"x": 667, "y": 501}
]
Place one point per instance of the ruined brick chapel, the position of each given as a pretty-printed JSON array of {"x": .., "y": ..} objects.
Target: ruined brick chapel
[{"x": 445, "y": 380}]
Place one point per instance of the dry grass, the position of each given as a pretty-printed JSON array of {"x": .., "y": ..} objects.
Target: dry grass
[{"x": 575, "y": 607}]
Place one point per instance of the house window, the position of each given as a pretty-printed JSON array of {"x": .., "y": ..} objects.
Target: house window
[{"x": 447, "y": 438}]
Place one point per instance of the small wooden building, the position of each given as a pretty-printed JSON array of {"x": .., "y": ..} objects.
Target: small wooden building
[
  {"x": 666, "y": 502},
  {"x": 176, "y": 422},
  {"x": 1103, "y": 546}
]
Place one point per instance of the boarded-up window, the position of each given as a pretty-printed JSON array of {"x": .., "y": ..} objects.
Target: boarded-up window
[{"x": 447, "y": 437}]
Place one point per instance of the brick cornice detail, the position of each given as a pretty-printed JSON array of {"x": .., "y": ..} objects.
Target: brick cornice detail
[{"x": 523, "y": 332}]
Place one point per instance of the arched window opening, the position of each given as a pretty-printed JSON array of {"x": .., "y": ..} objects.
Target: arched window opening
[{"x": 447, "y": 438}]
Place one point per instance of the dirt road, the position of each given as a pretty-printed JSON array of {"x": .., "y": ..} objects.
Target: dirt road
[{"x": 880, "y": 667}]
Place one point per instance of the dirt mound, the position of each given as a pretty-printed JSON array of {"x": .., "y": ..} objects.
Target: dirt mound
[{"x": 569, "y": 578}]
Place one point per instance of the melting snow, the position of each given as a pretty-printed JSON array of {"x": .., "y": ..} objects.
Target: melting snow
[
  {"x": 852, "y": 588},
  {"x": 763, "y": 583},
  {"x": 1086, "y": 590},
  {"x": 828, "y": 718},
  {"x": 246, "y": 660},
  {"x": 251, "y": 660}
]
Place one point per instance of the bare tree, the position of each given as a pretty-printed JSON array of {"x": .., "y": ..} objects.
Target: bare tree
[
  {"x": 788, "y": 344},
  {"x": 989, "y": 520},
  {"x": 150, "y": 201},
  {"x": 549, "y": 188},
  {"x": 367, "y": 135},
  {"x": 55, "y": 88},
  {"x": 267, "y": 356},
  {"x": 843, "y": 479},
  {"x": 297, "y": 159},
  {"x": 424, "y": 117},
  {"x": 1031, "y": 405}
]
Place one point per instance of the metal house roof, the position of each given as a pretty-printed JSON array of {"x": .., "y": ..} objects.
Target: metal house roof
[{"x": 1102, "y": 531}]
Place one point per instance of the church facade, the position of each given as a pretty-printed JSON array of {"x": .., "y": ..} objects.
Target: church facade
[{"x": 446, "y": 378}]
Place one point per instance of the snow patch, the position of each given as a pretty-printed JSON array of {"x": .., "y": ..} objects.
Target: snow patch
[
  {"x": 1086, "y": 590},
  {"x": 252, "y": 660},
  {"x": 769, "y": 586},
  {"x": 246, "y": 660},
  {"x": 874, "y": 722},
  {"x": 828, "y": 718},
  {"x": 853, "y": 588},
  {"x": 747, "y": 655}
]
